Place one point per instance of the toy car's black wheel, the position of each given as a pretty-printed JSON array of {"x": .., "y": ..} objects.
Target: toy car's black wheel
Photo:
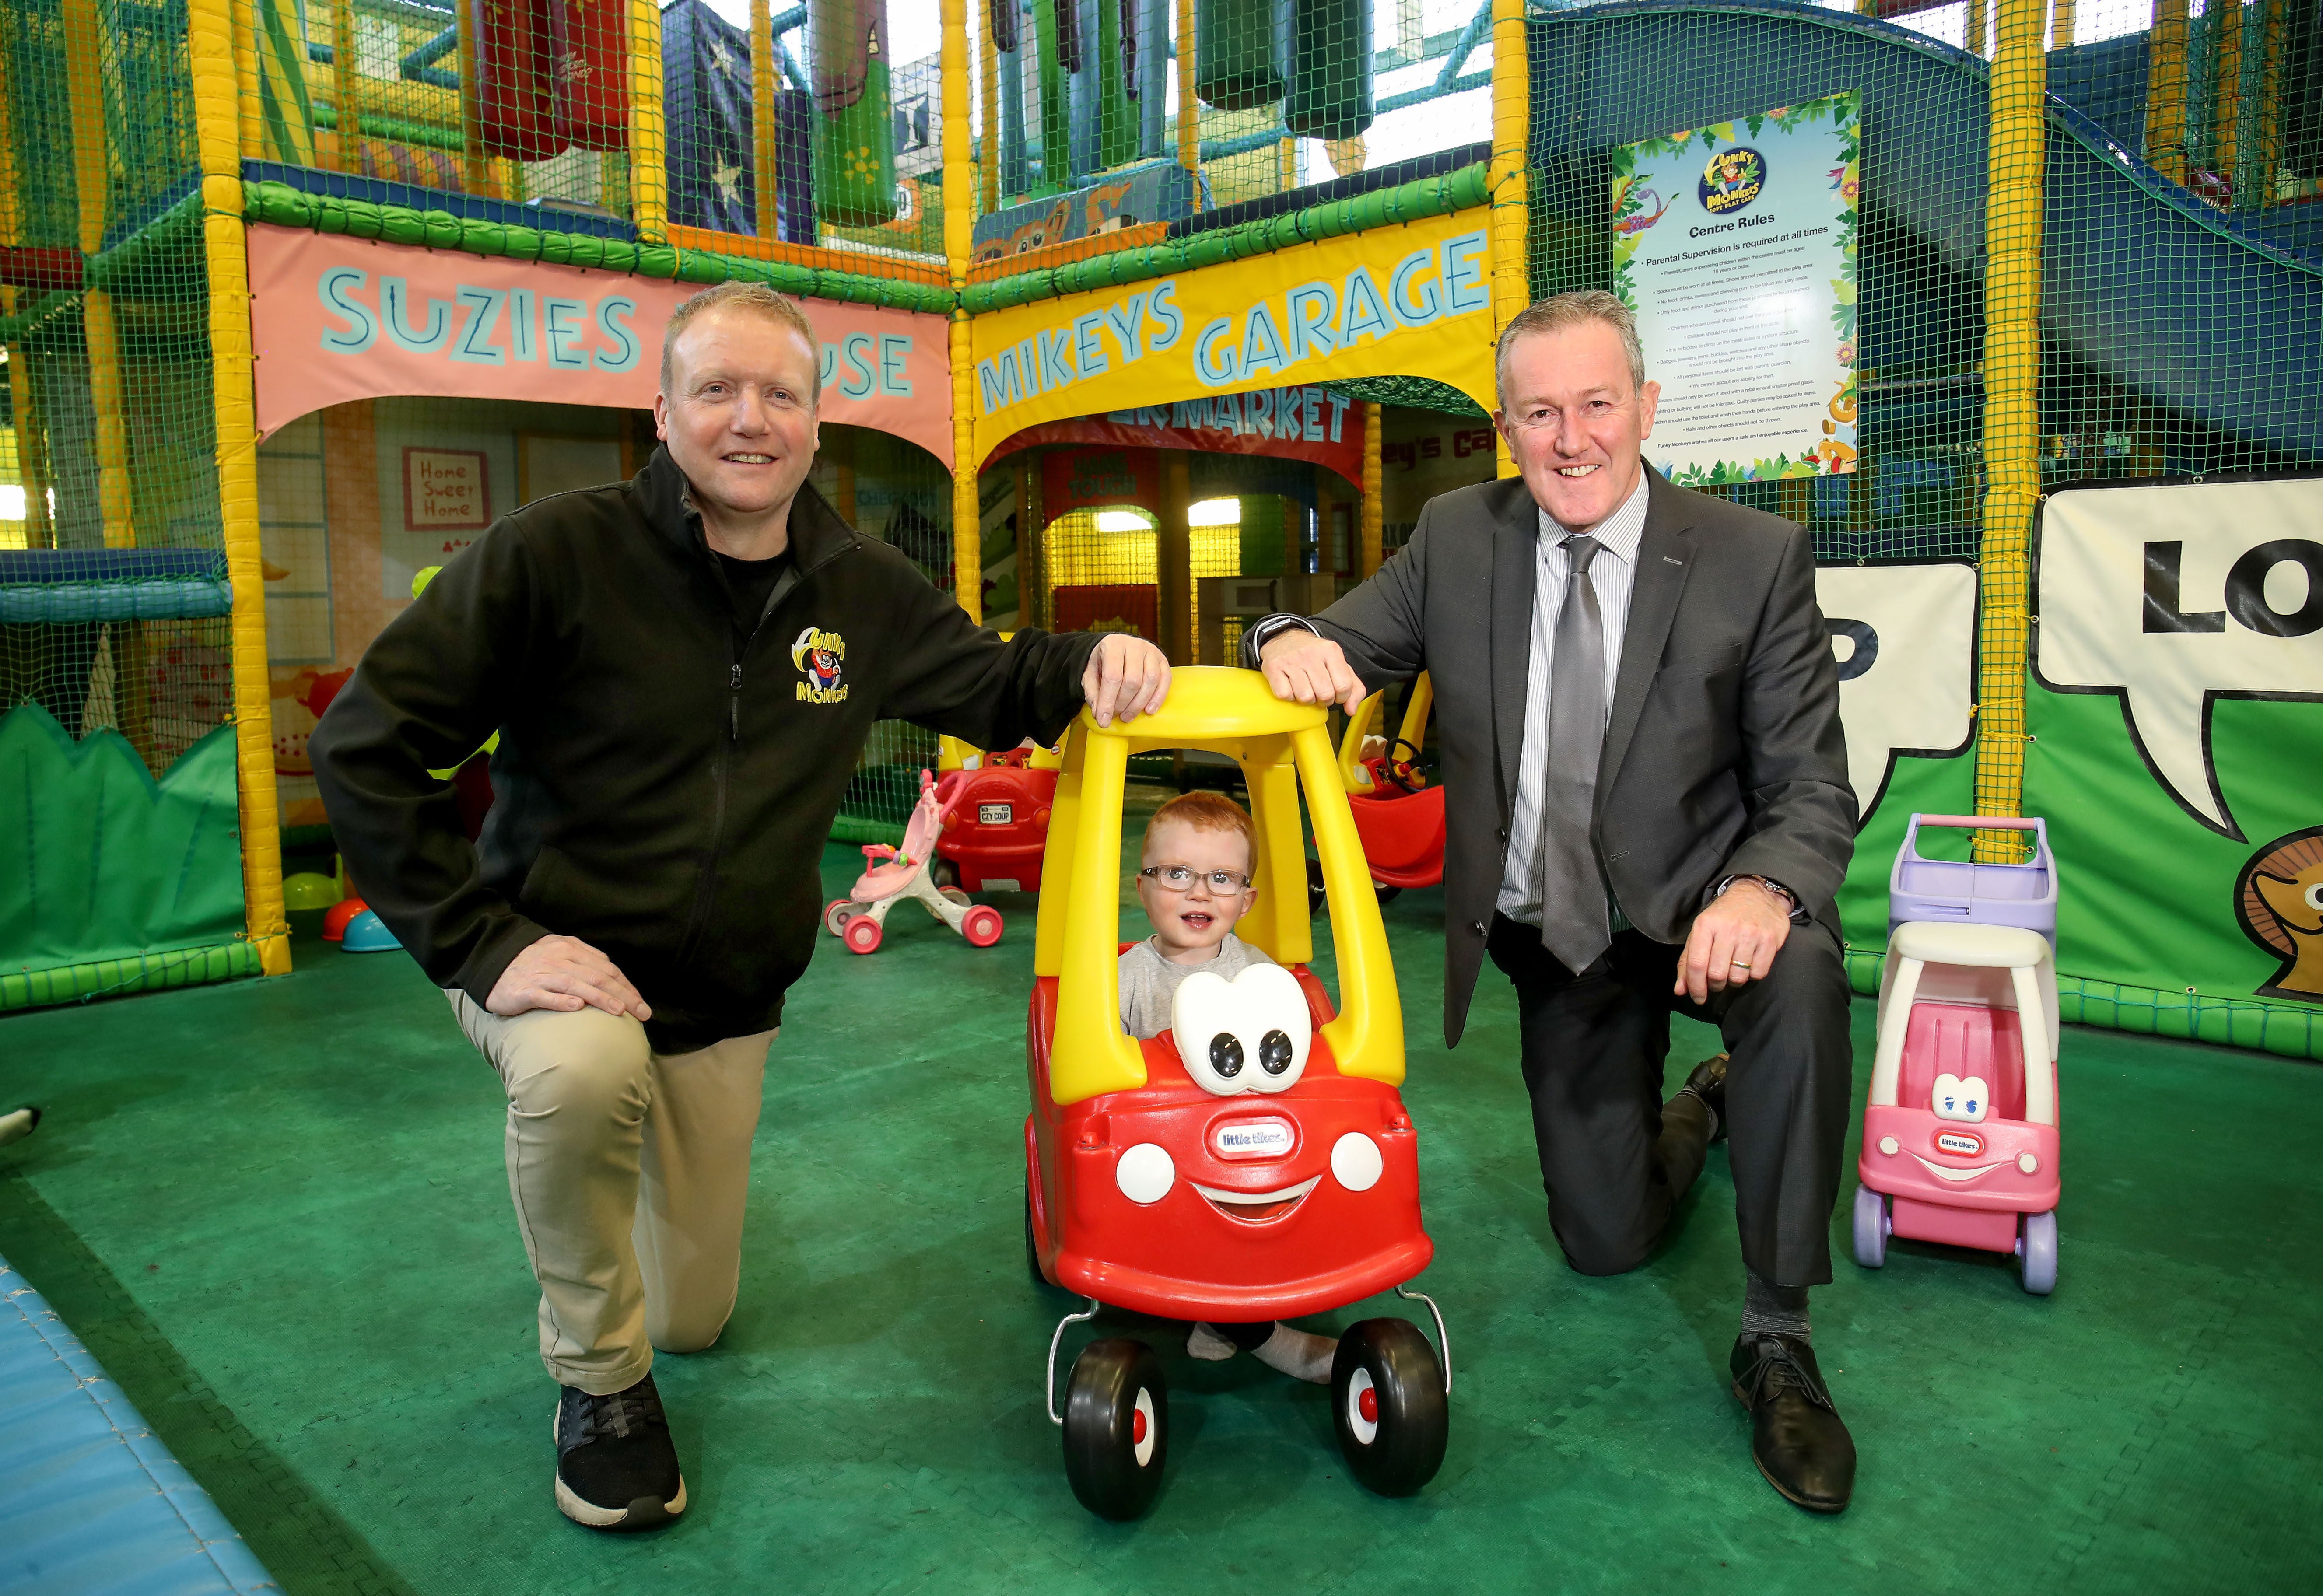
[
  {"x": 1387, "y": 1404},
  {"x": 943, "y": 873},
  {"x": 1387, "y": 894},
  {"x": 1116, "y": 1426},
  {"x": 1314, "y": 887}
]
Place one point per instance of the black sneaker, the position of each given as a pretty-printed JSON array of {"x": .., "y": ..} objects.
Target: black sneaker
[{"x": 615, "y": 1466}]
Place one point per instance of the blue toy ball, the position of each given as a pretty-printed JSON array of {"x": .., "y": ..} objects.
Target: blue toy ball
[{"x": 367, "y": 933}]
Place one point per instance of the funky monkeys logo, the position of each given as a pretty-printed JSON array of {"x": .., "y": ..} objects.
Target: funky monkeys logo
[
  {"x": 1732, "y": 180},
  {"x": 821, "y": 655}
]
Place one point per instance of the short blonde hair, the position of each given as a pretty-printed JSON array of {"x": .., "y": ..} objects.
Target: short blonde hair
[
  {"x": 740, "y": 296},
  {"x": 1560, "y": 311},
  {"x": 1206, "y": 812}
]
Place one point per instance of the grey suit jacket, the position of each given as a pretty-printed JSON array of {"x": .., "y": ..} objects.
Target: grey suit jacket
[{"x": 1724, "y": 754}]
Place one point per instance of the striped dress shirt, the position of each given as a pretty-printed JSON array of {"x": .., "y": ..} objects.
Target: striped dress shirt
[{"x": 1613, "y": 574}]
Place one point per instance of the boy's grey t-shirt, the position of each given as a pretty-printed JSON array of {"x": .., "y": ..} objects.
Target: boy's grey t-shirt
[{"x": 1148, "y": 982}]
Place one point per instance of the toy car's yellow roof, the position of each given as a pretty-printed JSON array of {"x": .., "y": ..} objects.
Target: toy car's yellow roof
[
  {"x": 1214, "y": 708},
  {"x": 1280, "y": 747}
]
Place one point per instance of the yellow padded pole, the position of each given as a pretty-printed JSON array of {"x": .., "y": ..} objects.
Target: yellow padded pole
[
  {"x": 1512, "y": 214},
  {"x": 988, "y": 171},
  {"x": 1190, "y": 109},
  {"x": 2061, "y": 25},
  {"x": 763, "y": 176},
  {"x": 1374, "y": 511},
  {"x": 85, "y": 103},
  {"x": 23, "y": 414},
  {"x": 959, "y": 230},
  {"x": 2266, "y": 115},
  {"x": 648, "y": 174},
  {"x": 211, "y": 57},
  {"x": 250, "y": 123},
  {"x": 2165, "y": 101},
  {"x": 84, "y": 98},
  {"x": 342, "y": 85},
  {"x": 114, "y": 498},
  {"x": 2226, "y": 47},
  {"x": 475, "y": 165},
  {"x": 2017, "y": 166}
]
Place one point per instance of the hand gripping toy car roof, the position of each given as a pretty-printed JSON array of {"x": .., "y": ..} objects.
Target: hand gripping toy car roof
[{"x": 1233, "y": 1196}]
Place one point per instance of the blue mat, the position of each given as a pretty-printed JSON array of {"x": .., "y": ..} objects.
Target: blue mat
[{"x": 90, "y": 1501}]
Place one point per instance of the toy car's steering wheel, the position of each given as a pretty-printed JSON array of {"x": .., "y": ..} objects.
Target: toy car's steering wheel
[{"x": 1403, "y": 772}]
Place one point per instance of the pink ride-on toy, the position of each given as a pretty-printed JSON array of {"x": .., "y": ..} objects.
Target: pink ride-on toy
[
  {"x": 895, "y": 874},
  {"x": 1960, "y": 1141}
]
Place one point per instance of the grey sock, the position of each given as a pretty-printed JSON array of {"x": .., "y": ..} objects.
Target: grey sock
[{"x": 1773, "y": 1310}]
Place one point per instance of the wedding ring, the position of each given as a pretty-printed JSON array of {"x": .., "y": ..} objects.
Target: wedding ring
[{"x": 1740, "y": 966}]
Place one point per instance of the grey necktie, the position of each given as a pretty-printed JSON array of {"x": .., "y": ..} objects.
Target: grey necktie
[{"x": 1574, "y": 922}]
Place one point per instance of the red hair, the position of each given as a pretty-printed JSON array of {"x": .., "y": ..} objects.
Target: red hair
[{"x": 1206, "y": 812}]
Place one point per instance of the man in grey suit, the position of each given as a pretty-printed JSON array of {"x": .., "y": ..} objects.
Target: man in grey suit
[{"x": 1649, "y": 811}]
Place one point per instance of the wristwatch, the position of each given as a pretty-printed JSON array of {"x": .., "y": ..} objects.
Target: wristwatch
[{"x": 1797, "y": 911}]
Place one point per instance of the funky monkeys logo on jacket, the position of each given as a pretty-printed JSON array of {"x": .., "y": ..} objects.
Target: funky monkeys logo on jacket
[{"x": 821, "y": 655}]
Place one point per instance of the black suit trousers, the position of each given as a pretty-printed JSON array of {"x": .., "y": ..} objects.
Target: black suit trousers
[{"x": 1616, "y": 1159}]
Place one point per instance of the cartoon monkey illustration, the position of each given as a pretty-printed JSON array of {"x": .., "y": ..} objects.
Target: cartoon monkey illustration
[{"x": 2279, "y": 900}]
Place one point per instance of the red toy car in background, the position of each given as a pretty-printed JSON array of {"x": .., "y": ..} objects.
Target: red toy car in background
[{"x": 998, "y": 827}]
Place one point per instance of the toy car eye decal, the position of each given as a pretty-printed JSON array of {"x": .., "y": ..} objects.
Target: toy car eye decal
[
  {"x": 1969, "y": 1099},
  {"x": 1223, "y": 1026}
]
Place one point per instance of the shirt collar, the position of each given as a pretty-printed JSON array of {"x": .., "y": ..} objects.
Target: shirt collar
[{"x": 1618, "y": 534}]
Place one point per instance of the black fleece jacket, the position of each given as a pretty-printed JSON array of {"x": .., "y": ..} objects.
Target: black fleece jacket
[{"x": 667, "y": 772}]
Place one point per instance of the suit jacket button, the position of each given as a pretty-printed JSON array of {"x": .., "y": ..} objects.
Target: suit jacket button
[{"x": 1477, "y": 926}]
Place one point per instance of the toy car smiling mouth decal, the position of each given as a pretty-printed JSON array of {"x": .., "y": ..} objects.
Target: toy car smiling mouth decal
[
  {"x": 1249, "y": 1034},
  {"x": 1953, "y": 1175},
  {"x": 1257, "y": 1207}
]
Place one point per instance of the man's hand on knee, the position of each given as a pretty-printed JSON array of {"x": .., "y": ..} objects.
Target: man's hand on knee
[
  {"x": 567, "y": 974},
  {"x": 1304, "y": 668},
  {"x": 1734, "y": 942}
]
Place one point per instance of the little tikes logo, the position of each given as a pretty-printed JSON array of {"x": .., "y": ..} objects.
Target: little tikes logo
[{"x": 821, "y": 655}]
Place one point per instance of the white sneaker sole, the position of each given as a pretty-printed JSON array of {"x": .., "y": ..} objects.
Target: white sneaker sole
[{"x": 642, "y": 1514}]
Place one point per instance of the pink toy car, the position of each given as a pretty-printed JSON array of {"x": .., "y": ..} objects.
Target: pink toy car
[
  {"x": 892, "y": 875},
  {"x": 1959, "y": 1133}
]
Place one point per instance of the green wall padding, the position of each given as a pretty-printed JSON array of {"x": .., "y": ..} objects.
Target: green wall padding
[
  {"x": 110, "y": 977},
  {"x": 99, "y": 862}
]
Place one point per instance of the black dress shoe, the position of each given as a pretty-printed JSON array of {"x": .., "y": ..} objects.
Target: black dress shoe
[
  {"x": 1708, "y": 1082},
  {"x": 1796, "y": 1436}
]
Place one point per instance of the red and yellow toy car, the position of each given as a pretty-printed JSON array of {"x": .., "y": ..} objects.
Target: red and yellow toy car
[
  {"x": 995, "y": 834},
  {"x": 1236, "y": 1196},
  {"x": 1397, "y": 815}
]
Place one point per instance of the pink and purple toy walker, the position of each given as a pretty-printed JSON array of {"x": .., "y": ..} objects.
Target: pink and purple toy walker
[{"x": 1960, "y": 1130}]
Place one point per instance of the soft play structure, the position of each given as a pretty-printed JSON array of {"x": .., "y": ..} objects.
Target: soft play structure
[
  {"x": 95, "y": 1502},
  {"x": 1161, "y": 317}
]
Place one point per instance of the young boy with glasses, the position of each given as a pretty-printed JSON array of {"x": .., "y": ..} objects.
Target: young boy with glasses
[{"x": 1195, "y": 883}]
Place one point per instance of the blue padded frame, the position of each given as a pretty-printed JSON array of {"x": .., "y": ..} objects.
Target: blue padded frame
[{"x": 90, "y": 1500}]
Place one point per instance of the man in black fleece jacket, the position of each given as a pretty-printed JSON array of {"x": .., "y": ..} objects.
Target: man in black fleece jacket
[{"x": 683, "y": 670}]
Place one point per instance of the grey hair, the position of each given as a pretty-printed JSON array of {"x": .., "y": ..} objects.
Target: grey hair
[
  {"x": 740, "y": 296},
  {"x": 1560, "y": 311}
]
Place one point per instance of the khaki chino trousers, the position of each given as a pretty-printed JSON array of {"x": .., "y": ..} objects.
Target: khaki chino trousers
[{"x": 628, "y": 1170}]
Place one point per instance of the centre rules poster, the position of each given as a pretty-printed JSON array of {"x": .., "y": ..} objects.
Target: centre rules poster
[{"x": 1734, "y": 244}]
